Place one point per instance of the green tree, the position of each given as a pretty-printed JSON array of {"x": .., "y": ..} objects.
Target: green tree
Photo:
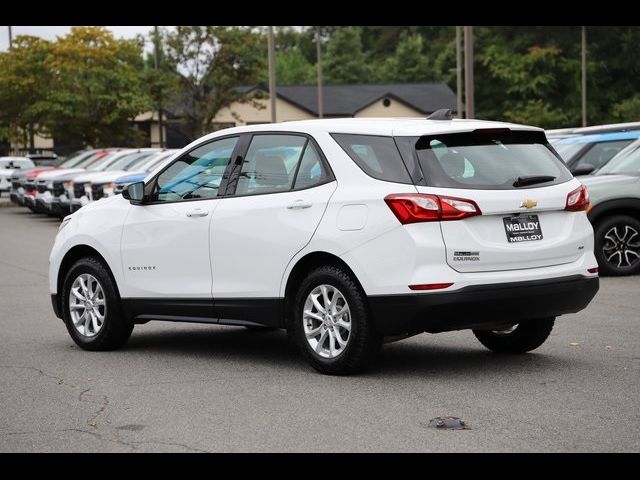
[
  {"x": 292, "y": 68},
  {"x": 409, "y": 63},
  {"x": 627, "y": 110},
  {"x": 96, "y": 89},
  {"x": 24, "y": 83},
  {"x": 345, "y": 60},
  {"x": 211, "y": 62},
  {"x": 525, "y": 87}
]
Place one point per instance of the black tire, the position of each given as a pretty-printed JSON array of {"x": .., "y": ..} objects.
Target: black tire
[
  {"x": 115, "y": 330},
  {"x": 363, "y": 343},
  {"x": 526, "y": 337},
  {"x": 630, "y": 264}
]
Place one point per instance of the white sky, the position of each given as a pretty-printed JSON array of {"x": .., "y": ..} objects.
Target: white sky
[{"x": 51, "y": 32}]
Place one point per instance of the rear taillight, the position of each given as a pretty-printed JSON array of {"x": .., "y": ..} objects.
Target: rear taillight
[
  {"x": 419, "y": 207},
  {"x": 578, "y": 200}
]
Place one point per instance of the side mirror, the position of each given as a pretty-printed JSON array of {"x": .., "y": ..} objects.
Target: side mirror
[
  {"x": 584, "y": 169},
  {"x": 134, "y": 193}
]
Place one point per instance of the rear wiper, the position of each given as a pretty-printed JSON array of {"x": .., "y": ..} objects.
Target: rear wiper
[{"x": 532, "y": 180}]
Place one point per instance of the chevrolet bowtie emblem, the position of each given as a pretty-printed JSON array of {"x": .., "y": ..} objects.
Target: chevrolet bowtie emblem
[{"x": 528, "y": 204}]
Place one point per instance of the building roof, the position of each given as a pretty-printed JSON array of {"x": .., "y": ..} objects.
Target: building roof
[{"x": 347, "y": 100}]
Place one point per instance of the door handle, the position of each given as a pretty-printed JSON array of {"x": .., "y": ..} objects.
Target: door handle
[
  {"x": 299, "y": 204},
  {"x": 197, "y": 213}
]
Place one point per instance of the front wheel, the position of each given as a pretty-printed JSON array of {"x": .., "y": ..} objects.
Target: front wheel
[
  {"x": 519, "y": 338},
  {"x": 331, "y": 323},
  {"x": 617, "y": 245},
  {"x": 91, "y": 307}
]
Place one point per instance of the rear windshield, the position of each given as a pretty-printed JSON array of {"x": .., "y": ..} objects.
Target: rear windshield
[{"x": 483, "y": 160}]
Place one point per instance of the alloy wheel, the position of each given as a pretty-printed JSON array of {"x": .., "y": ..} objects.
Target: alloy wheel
[
  {"x": 87, "y": 305},
  {"x": 327, "y": 321},
  {"x": 621, "y": 248}
]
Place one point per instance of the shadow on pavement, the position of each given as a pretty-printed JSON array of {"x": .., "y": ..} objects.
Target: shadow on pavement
[{"x": 397, "y": 359}]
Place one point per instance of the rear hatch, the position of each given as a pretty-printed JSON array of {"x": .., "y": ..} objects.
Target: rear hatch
[{"x": 521, "y": 189}]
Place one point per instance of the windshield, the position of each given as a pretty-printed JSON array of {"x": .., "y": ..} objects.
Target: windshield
[
  {"x": 127, "y": 161},
  {"x": 488, "y": 160},
  {"x": 105, "y": 161},
  {"x": 627, "y": 161},
  {"x": 76, "y": 158},
  {"x": 151, "y": 163},
  {"x": 568, "y": 150}
]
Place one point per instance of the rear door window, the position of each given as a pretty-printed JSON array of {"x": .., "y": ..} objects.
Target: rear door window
[{"x": 488, "y": 160}]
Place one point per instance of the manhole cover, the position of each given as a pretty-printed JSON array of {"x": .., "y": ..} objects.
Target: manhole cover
[{"x": 449, "y": 423}]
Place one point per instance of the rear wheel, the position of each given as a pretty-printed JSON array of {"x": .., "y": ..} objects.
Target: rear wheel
[
  {"x": 91, "y": 307},
  {"x": 520, "y": 338},
  {"x": 617, "y": 245},
  {"x": 331, "y": 323}
]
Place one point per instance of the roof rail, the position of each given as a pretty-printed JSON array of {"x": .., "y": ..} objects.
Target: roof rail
[{"x": 442, "y": 114}]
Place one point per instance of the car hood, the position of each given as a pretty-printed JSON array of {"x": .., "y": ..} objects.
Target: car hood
[
  {"x": 95, "y": 176},
  {"x": 132, "y": 177},
  {"x": 8, "y": 172},
  {"x": 51, "y": 174}
]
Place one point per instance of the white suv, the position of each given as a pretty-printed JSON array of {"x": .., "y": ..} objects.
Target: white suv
[{"x": 345, "y": 232}]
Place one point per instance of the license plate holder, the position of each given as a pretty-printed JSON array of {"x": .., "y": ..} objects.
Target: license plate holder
[{"x": 522, "y": 228}]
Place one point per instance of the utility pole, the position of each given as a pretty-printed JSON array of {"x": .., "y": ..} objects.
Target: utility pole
[
  {"x": 157, "y": 66},
  {"x": 584, "y": 76},
  {"x": 459, "y": 73},
  {"x": 10, "y": 37},
  {"x": 468, "y": 71},
  {"x": 272, "y": 76},
  {"x": 319, "y": 68}
]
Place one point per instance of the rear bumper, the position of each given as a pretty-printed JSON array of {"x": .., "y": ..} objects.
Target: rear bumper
[{"x": 481, "y": 305}]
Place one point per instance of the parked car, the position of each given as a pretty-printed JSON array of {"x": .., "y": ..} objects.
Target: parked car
[
  {"x": 586, "y": 153},
  {"x": 343, "y": 231},
  {"x": 558, "y": 133},
  {"x": 142, "y": 171},
  {"x": 110, "y": 169},
  {"x": 615, "y": 212},
  {"x": 19, "y": 181},
  {"x": 10, "y": 165},
  {"x": 44, "y": 181}
]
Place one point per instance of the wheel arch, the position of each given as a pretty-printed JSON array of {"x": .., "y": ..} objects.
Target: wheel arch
[
  {"x": 623, "y": 206},
  {"x": 303, "y": 267},
  {"x": 73, "y": 255}
]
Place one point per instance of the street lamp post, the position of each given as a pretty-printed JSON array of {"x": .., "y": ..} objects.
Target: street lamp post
[
  {"x": 468, "y": 71},
  {"x": 10, "y": 37},
  {"x": 584, "y": 76},
  {"x": 272, "y": 76},
  {"x": 157, "y": 66},
  {"x": 319, "y": 69},
  {"x": 459, "y": 73}
]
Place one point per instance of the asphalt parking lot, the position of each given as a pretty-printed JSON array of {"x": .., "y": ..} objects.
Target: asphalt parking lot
[{"x": 191, "y": 388}]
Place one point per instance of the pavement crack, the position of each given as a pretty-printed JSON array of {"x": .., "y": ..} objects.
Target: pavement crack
[
  {"x": 59, "y": 380},
  {"x": 83, "y": 396}
]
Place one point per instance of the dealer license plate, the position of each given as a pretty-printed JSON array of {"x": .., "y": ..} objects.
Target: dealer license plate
[{"x": 522, "y": 228}]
